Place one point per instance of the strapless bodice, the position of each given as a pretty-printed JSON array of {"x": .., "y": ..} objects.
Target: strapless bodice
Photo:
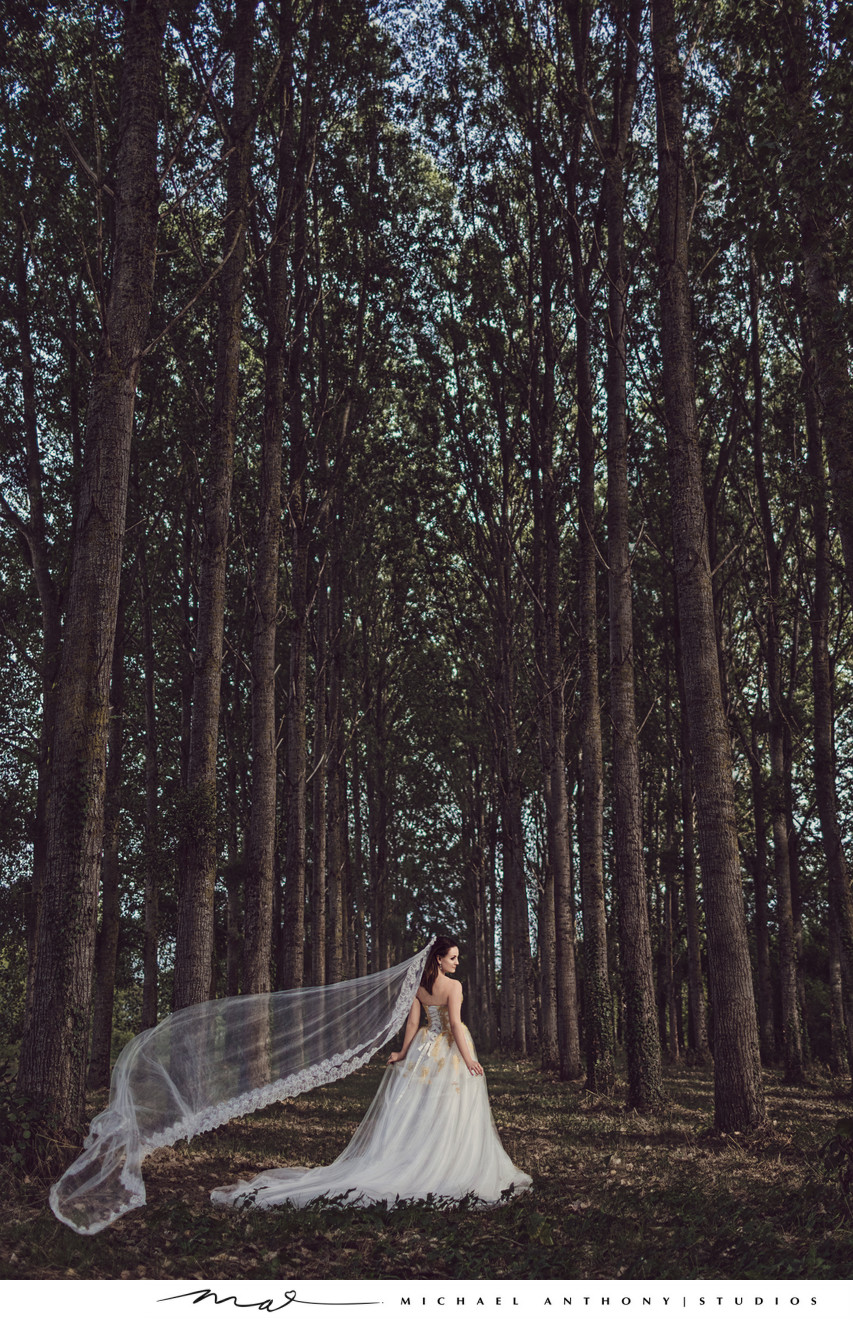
[{"x": 438, "y": 1020}]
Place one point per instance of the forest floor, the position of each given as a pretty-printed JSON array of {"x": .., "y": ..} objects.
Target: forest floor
[{"x": 615, "y": 1196}]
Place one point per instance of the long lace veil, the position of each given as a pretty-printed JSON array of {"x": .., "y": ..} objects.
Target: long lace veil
[{"x": 210, "y": 1063}]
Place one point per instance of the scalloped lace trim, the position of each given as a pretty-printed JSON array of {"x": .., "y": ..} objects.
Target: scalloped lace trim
[{"x": 317, "y": 1075}]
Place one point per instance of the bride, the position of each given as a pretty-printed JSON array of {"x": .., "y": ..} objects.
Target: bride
[{"x": 429, "y": 1130}]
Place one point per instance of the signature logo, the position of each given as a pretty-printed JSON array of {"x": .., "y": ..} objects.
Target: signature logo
[{"x": 288, "y": 1296}]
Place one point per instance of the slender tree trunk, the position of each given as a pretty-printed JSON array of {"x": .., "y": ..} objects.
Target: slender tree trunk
[
  {"x": 697, "y": 1036},
  {"x": 792, "y": 1045},
  {"x": 598, "y": 1004},
  {"x": 645, "y": 1079},
  {"x": 738, "y": 1086},
  {"x": 32, "y": 534},
  {"x": 187, "y": 622},
  {"x": 764, "y": 974},
  {"x": 377, "y": 811},
  {"x": 825, "y": 761},
  {"x": 151, "y": 917},
  {"x": 358, "y": 861},
  {"x": 516, "y": 971},
  {"x": 261, "y": 843},
  {"x": 106, "y": 947},
  {"x": 195, "y": 922},
  {"x": 55, "y": 1041},
  {"x": 337, "y": 763},
  {"x": 319, "y": 779},
  {"x": 294, "y": 866},
  {"x": 235, "y": 867},
  {"x": 839, "y": 1058},
  {"x": 669, "y": 986},
  {"x": 556, "y": 796},
  {"x": 827, "y": 312}
]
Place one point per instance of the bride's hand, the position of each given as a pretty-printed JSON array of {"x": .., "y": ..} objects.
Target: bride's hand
[
  {"x": 394, "y": 1056},
  {"x": 476, "y": 1069}
]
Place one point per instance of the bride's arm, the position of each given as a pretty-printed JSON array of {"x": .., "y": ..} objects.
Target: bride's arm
[
  {"x": 454, "y": 1005},
  {"x": 413, "y": 1022}
]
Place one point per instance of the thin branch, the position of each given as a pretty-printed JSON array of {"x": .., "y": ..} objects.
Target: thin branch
[{"x": 196, "y": 296}]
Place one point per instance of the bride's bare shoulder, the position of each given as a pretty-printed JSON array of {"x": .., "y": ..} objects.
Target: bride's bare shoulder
[{"x": 443, "y": 991}]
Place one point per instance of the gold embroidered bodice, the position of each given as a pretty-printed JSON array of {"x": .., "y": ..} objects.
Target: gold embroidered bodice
[{"x": 438, "y": 1021}]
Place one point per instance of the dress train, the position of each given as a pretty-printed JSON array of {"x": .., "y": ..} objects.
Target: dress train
[{"x": 428, "y": 1131}]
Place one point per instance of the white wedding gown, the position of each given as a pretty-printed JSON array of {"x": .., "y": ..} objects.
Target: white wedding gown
[{"x": 429, "y": 1130}]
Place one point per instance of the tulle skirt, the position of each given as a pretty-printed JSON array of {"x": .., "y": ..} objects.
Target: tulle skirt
[{"x": 428, "y": 1131}]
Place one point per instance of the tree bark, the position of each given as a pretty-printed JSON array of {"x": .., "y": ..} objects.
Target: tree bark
[
  {"x": 106, "y": 946},
  {"x": 516, "y": 970},
  {"x": 598, "y": 1005},
  {"x": 55, "y": 1040},
  {"x": 195, "y": 921},
  {"x": 825, "y": 761},
  {"x": 151, "y": 922},
  {"x": 560, "y": 928},
  {"x": 827, "y": 312},
  {"x": 319, "y": 778},
  {"x": 261, "y": 843},
  {"x": 738, "y": 1086},
  {"x": 293, "y": 914},
  {"x": 764, "y": 975},
  {"x": 642, "y": 1042},
  {"x": 337, "y": 761},
  {"x": 32, "y": 536},
  {"x": 792, "y": 1045}
]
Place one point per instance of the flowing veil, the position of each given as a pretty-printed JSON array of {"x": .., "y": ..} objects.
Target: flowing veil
[{"x": 211, "y": 1062}]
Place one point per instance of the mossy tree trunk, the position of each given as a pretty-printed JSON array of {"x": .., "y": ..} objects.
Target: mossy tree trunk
[
  {"x": 738, "y": 1086},
  {"x": 54, "y": 1048}
]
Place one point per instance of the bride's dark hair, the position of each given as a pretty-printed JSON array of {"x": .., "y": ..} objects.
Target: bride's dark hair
[{"x": 440, "y": 946}]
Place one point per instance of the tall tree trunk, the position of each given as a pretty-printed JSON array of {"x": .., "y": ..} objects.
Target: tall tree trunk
[
  {"x": 738, "y": 1086},
  {"x": 827, "y": 312},
  {"x": 261, "y": 842},
  {"x": 358, "y": 861},
  {"x": 32, "y": 535},
  {"x": 376, "y": 753},
  {"x": 293, "y": 902},
  {"x": 319, "y": 779},
  {"x": 195, "y": 921},
  {"x": 825, "y": 762},
  {"x": 187, "y": 620},
  {"x": 516, "y": 971},
  {"x": 697, "y": 1020},
  {"x": 293, "y": 915},
  {"x": 598, "y": 1005},
  {"x": 670, "y": 989},
  {"x": 546, "y": 508},
  {"x": 106, "y": 947},
  {"x": 235, "y": 867},
  {"x": 764, "y": 974},
  {"x": 645, "y": 1079},
  {"x": 337, "y": 759},
  {"x": 151, "y": 918},
  {"x": 55, "y": 1040},
  {"x": 839, "y": 1053},
  {"x": 792, "y": 1046}
]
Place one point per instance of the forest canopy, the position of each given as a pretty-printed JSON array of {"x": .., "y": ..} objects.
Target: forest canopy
[{"x": 427, "y": 504}]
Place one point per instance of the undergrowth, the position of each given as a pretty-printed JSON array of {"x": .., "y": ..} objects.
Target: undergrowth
[{"x": 615, "y": 1195}]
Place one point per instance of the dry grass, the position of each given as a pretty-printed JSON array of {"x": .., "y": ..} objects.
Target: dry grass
[{"x": 615, "y": 1196}]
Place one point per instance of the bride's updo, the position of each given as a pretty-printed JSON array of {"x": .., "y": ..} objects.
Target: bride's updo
[{"x": 440, "y": 946}]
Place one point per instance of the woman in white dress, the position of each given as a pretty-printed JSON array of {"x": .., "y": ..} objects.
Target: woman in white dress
[{"x": 429, "y": 1130}]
